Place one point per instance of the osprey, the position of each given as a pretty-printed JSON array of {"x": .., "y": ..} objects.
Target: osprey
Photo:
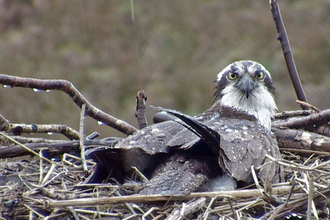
[{"x": 212, "y": 151}]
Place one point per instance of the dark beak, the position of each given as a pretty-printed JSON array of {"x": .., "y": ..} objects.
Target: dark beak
[{"x": 246, "y": 85}]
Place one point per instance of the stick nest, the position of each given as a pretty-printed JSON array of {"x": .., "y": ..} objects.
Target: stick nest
[{"x": 36, "y": 189}]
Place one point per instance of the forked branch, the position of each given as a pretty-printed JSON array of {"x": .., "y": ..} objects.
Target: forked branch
[{"x": 77, "y": 97}]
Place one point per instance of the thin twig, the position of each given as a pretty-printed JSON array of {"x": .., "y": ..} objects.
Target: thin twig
[
  {"x": 73, "y": 212},
  {"x": 52, "y": 168},
  {"x": 138, "y": 172},
  {"x": 34, "y": 211},
  {"x": 281, "y": 207},
  {"x": 207, "y": 211},
  {"x": 81, "y": 137},
  {"x": 282, "y": 36},
  {"x": 308, "y": 105}
]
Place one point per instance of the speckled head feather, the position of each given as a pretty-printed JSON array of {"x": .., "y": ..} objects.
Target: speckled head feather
[{"x": 247, "y": 86}]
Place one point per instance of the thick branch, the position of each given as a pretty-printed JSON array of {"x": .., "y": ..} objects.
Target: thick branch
[
  {"x": 308, "y": 122},
  {"x": 18, "y": 129},
  {"x": 50, "y": 148},
  {"x": 283, "y": 38},
  {"x": 77, "y": 97},
  {"x": 300, "y": 139}
]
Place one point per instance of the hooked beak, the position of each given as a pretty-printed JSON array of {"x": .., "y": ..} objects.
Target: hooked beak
[{"x": 246, "y": 85}]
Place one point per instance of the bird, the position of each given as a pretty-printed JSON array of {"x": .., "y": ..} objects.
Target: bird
[{"x": 214, "y": 150}]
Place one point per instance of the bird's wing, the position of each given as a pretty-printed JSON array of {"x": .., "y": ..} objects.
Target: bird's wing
[{"x": 241, "y": 143}]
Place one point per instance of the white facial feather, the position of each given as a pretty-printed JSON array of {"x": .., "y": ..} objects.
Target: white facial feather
[{"x": 260, "y": 103}]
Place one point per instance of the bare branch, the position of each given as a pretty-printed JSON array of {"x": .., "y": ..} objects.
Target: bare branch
[
  {"x": 50, "y": 148},
  {"x": 18, "y": 129},
  {"x": 287, "y": 114},
  {"x": 22, "y": 146},
  {"x": 77, "y": 97},
  {"x": 300, "y": 139},
  {"x": 308, "y": 122},
  {"x": 81, "y": 137},
  {"x": 285, "y": 43}
]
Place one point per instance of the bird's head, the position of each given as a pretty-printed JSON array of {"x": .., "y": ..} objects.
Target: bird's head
[{"x": 247, "y": 86}]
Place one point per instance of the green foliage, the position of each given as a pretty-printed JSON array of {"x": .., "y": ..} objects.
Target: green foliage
[{"x": 173, "y": 50}]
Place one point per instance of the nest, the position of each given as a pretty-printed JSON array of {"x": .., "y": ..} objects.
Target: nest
[{"x": 41, "y": 188}]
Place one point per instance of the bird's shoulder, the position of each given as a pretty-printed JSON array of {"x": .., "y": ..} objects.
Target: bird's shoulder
[{"x": 152, "y": 139}]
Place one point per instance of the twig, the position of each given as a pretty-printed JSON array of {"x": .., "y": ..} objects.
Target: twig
[
  {"x": 26, "y": 148},
  {"x": 207, "y": 211},
  {"x": 143, "y": 177},
  {"x": 101, "y": 213},
  {"x": 77, "y": 97},
  {"x": 285, "y": 43},
  {"x": 255, "y": 179},
  {"x": 34, "y": 211},
  {"x": 303, "y": 151},
  {"x": 40, "y": 168},
  {"x": 187, "y": 209},
  {"x": 81, "y": 137},
  {"x": 48, "y": 173},
  {"x": 153, "y": 198},
  {"x": 73, "y": 212},
  {"x": 308, "y": 105},
  {"x": 18, "y": 129},
  {"x": 235, "y": 213},
  {"x": 281, "y": 207},
  {"x": 296, "y": 166},
  {"x": 149, "y": 212}
]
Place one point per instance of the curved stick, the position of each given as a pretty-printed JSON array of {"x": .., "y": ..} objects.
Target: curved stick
[{"x": 77, "y": 97}]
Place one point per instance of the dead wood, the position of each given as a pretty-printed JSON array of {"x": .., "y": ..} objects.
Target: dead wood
[
  {"x": 187, "y": 209},
  {"x": 52, "y": 149},
  {"x": 77, "y": 97},
  {"x": 301, "y": 139},
  {"x": 19, "y": 129},
  {"x": 318, "y": 122}
]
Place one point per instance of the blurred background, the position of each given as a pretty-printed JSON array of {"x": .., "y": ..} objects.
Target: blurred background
[{"x": 110, "y": 49}]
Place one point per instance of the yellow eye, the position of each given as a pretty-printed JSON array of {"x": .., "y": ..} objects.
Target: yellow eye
[
  {"x": 260, "y": 75},
  {"x": 232, "y": 75}
]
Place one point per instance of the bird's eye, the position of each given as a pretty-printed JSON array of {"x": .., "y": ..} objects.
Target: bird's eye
[
  {"x": 260, "y": 75},
  {"x": 232, "y": 76}
]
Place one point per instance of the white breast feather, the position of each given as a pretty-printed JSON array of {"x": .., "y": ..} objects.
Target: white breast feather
[{"x": 260, "y": 103}]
